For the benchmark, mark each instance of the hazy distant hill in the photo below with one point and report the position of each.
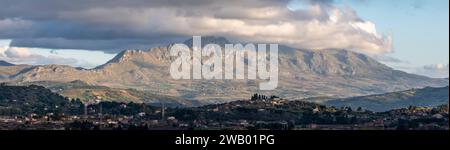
(4, 63)
(303, 73)
(8, 70)
(429, 97)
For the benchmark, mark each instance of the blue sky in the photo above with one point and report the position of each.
(419, 29)
(81, 58)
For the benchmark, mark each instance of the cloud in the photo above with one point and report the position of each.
(14, 27)
(2, 51)
(434, 70)
(390, 60)
(112, 25)
(18, 55)
(15, 52)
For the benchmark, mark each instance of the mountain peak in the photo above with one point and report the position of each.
(156, 55)
(125, 55)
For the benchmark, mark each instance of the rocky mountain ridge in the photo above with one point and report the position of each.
(302, 74)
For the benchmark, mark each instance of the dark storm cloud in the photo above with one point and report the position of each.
(112, 25)
(111, 46)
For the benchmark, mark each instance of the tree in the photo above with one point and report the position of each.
(359, 109)
(254, 97)
(349, 109)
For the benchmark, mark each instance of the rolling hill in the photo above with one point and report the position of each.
(427, 97)
(90, 93)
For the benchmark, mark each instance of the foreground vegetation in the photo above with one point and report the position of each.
(35, 107)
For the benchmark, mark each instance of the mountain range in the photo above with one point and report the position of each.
(426, 97)
(302, 74)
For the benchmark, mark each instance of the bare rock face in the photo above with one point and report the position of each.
(302, 74)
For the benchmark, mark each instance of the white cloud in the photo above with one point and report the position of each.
(17, 52)
(434, 70)
(319, 27)
(19, 55)
(4, 45)
(38, 56)
(436, 67)
(2, 51)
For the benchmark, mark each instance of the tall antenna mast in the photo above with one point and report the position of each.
(101, 115)
(163, 111)
(85, 111)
